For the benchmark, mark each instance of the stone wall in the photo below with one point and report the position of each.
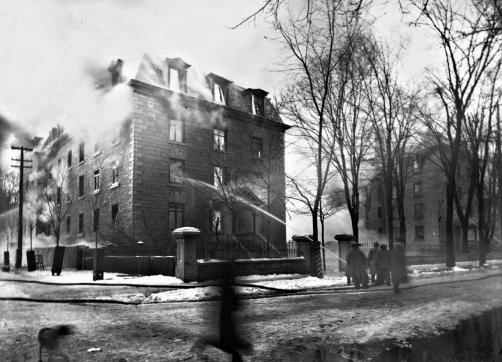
(208, 270)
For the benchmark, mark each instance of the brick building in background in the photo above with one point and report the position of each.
(424, 205)
(196, 151)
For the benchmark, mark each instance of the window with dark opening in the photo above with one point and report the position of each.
(419, 232)
(115, 212)
(69, 158)
(80, 223)
(81, 152)
(81, 185)
(175, 215)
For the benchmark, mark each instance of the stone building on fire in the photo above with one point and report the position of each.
(195, 151)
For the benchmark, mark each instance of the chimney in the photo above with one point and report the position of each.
(115, 70)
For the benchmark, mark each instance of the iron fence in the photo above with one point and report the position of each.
(236, 250)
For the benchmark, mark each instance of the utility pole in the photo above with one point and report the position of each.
(21, 166)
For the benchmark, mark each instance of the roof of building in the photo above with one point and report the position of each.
(153, 71)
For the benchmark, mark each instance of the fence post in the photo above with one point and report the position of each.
(311, 251)
(187, 239)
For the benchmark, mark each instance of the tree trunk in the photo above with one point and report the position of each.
(402, 225)
(499, 167)
(450, 247)
(481, 224)
(390, 212)
(464, 226)
(323, 246)
(354, 221)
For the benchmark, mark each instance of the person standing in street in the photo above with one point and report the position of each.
(357, 264)
(398, 265)
(371, 262)
(382, 263)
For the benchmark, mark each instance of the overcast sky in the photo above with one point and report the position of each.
(51, 49)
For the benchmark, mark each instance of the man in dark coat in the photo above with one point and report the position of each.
(398, 265)
(371, 262)
(357, 264)
(382, 264)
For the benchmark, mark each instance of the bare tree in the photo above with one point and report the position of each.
(350, 124)
(55, 197)
(8, 190)
(480, 132)
(393, 113)
(312, 38)
(468, 50)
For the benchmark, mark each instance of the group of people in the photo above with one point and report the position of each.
(385, 266)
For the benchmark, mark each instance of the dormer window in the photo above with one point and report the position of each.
(219, 96)
(174, 79)
(219, 88)
(257, 101)
(177, 74)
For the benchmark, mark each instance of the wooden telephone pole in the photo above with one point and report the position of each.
(21, 166)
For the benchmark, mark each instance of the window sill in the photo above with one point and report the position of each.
(81, 162)
(97, 153)
(115, 143)
(181, 143)
(114, 185)
(81, 197)
(95, 192)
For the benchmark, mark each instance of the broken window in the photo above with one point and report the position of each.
(257, 105)
(175, 215)
(81, 154)
(174, 80)
(218, 93)
(97, 180)
(176, 130)
(218, 176)
(115, 174)
(219, 137)
(176, 170)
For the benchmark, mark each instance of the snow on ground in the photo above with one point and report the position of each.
(209, 289)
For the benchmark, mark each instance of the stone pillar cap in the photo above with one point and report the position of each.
(186, 230)
(303, 237)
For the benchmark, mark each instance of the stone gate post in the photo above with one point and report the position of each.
(187, 239)
(311, 250)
